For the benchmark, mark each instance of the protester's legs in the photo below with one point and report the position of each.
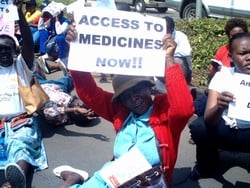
(36, 38)
(25, 148)
(63, 46)
(232, 139)
(207, 156)
(28, 171)
(209, 139)
(35, 35)
(43, 37)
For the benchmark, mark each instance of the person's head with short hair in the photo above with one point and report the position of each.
(235, 25)
(8, 48)
(30, 6)
(239, 52)
(47, 15)
(134, 92)
(170, 24)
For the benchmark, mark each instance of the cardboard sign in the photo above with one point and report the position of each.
(54, 8)
(117, 42)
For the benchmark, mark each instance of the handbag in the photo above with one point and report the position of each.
(33, 96)
(152, 178)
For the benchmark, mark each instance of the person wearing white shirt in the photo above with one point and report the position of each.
(219, 129)
(182, 53)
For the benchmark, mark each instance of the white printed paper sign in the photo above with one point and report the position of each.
(54, 8)
(117, 42)
(241, 90)
(125, 168)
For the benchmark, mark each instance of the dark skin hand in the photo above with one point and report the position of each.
(28, 44)
(224, 99)
(216, 104)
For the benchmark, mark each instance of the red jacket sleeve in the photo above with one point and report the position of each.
(179, 98)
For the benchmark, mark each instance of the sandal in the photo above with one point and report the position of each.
(58, 170)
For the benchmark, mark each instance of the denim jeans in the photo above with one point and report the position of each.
(35, 35)
(44, 35)
(63, 46)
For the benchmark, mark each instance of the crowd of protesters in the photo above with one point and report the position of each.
(142, 118)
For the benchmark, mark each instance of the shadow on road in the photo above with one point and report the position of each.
(50, 130)
(231, 162)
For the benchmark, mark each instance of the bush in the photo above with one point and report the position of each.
(206, 36)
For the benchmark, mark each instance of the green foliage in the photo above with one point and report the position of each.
(206, 36)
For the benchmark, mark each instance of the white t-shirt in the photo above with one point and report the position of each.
(183, 47)
(222, 81)
(10, 101)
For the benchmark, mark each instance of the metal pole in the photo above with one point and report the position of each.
(198, 12)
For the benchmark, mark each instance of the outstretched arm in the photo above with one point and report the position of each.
(179, 99)
(28, 44)
(169, 45)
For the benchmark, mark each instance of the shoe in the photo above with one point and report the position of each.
(103, 80)
(196, 174)
(62, 67)
(43, 64)
(15, 175)
(58, 170)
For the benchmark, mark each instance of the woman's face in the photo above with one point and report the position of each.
(47, 15)
(240, 54)
(6, 52)
(137, 99)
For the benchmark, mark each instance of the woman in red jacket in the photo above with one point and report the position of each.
(140, 120)
(232, 27)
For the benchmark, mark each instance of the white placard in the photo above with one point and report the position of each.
(54, 8)
(126, 167)
(240, 87)
(8, 11)
(117, 42)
